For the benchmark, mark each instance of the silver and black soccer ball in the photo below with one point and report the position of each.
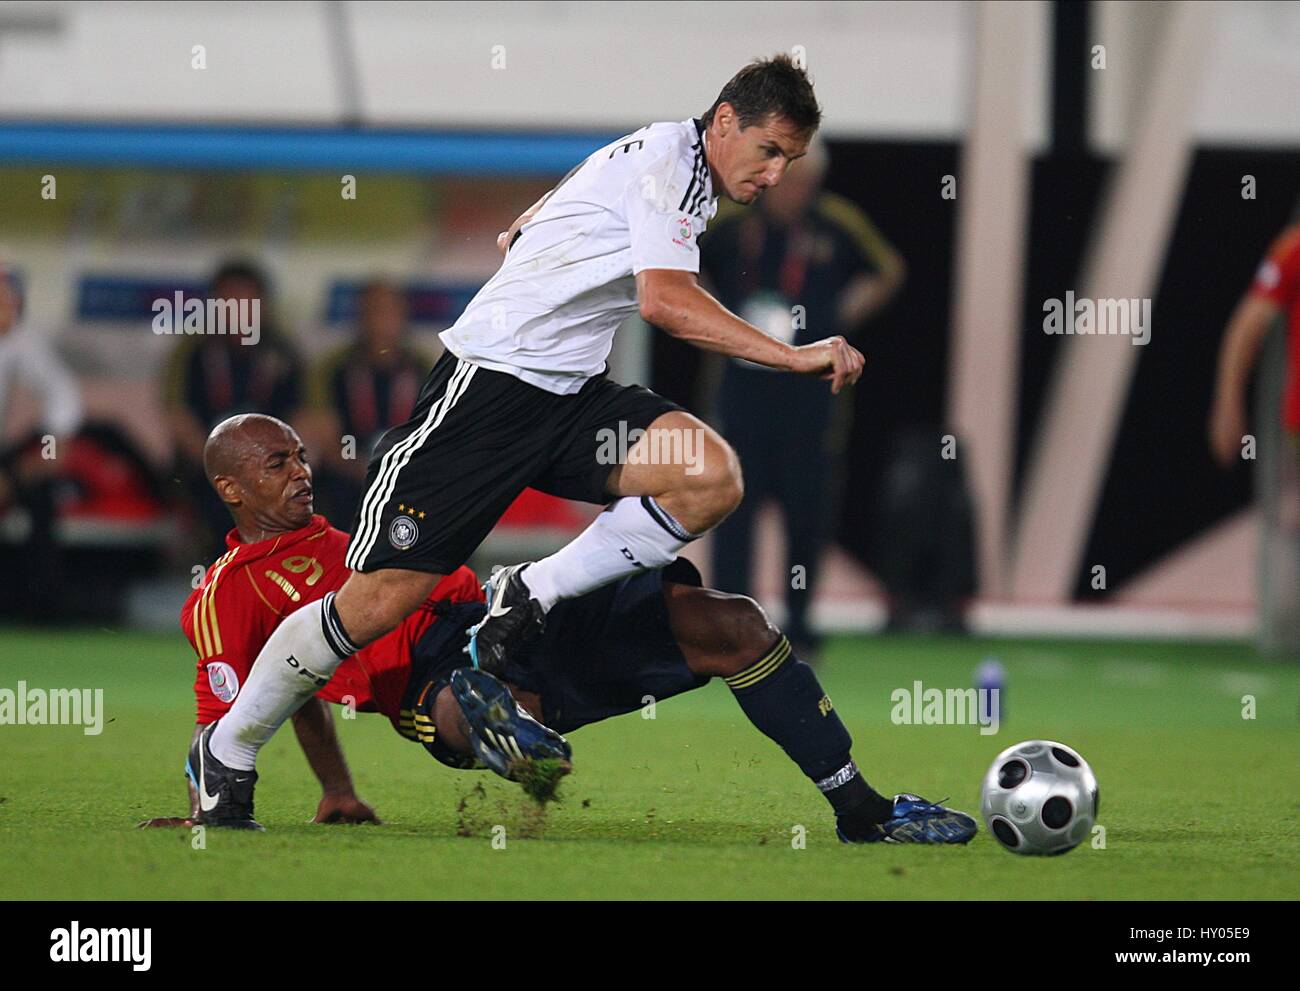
(1039, 798)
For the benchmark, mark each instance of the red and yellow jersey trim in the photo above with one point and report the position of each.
(207, 626)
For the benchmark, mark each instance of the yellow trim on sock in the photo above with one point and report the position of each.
(761, 668)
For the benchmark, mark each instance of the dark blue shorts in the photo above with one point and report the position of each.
(602, 655)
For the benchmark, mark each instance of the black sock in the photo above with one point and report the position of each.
(782, 697)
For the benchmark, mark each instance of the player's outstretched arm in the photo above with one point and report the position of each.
(192, 794)
(675, 302)
(314, 726)
(1246, 331)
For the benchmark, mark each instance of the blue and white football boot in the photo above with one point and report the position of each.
(513, 617)
(914, 820)
(502, 732)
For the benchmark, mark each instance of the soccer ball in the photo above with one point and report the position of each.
(1039, 798)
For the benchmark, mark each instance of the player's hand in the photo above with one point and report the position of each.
(507, 236)
(344, 809)
(166, 822)
(833, 359)
(1227, 427)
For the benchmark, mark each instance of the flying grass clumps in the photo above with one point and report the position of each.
(540, 779)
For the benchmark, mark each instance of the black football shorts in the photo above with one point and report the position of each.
(438, 483)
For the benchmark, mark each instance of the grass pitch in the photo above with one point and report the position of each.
(1196, 801)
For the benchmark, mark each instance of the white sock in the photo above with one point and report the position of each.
(634, 533)
(294, 664)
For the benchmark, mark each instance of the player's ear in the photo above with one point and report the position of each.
(229, 491)
(725, 116)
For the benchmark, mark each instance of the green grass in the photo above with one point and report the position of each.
(1197, 802)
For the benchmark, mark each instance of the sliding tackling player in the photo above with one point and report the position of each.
(656, 633)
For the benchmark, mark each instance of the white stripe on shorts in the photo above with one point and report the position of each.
(381, 490)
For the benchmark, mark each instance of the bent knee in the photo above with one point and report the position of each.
(748, 633)
(721, 633)
(731, 483)
(720, 481)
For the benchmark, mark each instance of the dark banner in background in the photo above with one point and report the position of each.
(1161, 487)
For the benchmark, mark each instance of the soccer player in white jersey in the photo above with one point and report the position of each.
(520, 398)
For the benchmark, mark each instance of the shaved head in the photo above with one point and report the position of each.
(258, 466)
(237, 443)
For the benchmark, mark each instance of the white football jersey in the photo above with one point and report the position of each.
(549, 314)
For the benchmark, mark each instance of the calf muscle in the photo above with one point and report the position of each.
(371, 604)
(719, 634)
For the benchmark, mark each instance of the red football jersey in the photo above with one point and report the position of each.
(249, 590)
(1278, 280)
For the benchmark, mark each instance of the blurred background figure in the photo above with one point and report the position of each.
(212, 376)
(357, 392)
(926, 558)
(804, 265)
(29, 462)
(1275, 289)
(1240, 436)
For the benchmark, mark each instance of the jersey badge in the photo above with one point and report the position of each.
(403, 533)
(223, 680)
